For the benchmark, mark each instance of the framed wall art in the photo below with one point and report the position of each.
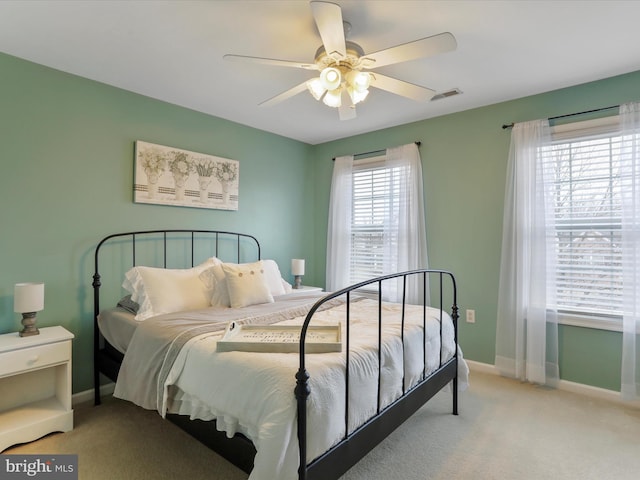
(172, 176)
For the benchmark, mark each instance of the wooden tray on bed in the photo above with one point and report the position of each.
(280, 338)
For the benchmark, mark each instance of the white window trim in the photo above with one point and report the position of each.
(368, 161)
(569, 131)
(586, 321)
(586, 127)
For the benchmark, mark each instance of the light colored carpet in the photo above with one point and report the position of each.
(506, 430)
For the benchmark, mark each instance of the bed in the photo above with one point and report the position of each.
(265, 411)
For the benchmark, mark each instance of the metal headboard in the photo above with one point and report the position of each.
(211, 239)
(216, 237)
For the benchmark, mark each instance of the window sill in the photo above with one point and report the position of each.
(585, 321)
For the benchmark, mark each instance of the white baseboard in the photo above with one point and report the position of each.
(573, 387)
(481, 367)
(87, 395)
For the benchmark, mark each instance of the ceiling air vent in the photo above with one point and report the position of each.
(450, 93)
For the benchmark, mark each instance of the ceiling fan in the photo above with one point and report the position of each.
(343, 81)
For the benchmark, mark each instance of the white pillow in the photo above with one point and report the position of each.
(164, 290)
(247, 284)
(214, 278)
(216, 282)
(274, 278)
(286, 286)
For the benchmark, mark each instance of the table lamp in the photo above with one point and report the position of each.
(28, 298)
(297, 270)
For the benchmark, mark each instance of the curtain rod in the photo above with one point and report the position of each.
(418, 143)
(510, 125)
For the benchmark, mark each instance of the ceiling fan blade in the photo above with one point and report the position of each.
(328, 18)
(425, 47)
(270, 61)
(400, 87)
(285, 95)
(347, 110)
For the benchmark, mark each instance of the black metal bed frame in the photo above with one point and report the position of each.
(354, 445)
(107, 359)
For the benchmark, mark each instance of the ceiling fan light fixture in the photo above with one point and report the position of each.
(316, 88)
(357, 95)
(333, 98)
(331, 78)
(340, 63)
(359, 81)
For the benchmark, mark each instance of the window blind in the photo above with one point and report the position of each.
(374, 229)
(586, 223)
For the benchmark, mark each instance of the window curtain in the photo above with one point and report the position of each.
(407, 220)
(527, 329)
(339, 226)
(630, 151)
(409, 223)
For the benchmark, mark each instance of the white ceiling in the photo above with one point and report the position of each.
(172, 51)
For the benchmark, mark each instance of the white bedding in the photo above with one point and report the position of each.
(117, 326)
(252, 393)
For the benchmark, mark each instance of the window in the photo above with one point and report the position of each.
(374, 220)
(571, 242)
(587, 219)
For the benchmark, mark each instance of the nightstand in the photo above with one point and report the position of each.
(306, 289)
(35, 381)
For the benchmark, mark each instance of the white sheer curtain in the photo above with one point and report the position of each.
(411, 248)
(630, 125)
(339, 225)
(527, 329)
(405, 221)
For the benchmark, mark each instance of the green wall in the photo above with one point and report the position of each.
(66, 181)
(66, 176)
(464, 159)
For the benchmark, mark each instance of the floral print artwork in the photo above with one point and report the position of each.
(171, 176)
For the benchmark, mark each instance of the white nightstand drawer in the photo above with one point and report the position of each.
(34, 357)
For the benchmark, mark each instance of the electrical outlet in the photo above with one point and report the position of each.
(471, 316)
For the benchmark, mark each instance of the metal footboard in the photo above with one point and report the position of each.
(358, 443)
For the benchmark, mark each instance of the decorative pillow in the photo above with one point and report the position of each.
(215, 279)
(247, 284)
(164, 290)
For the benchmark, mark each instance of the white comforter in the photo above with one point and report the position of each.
(252, 393)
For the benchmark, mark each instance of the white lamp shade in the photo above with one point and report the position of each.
(330, 78)
(358, 80)
(357, 96)
(297, 266)
(316, 88)
(333, 98)
(28, 297)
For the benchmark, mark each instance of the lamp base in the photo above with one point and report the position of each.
(297, 281)
(29, 324)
